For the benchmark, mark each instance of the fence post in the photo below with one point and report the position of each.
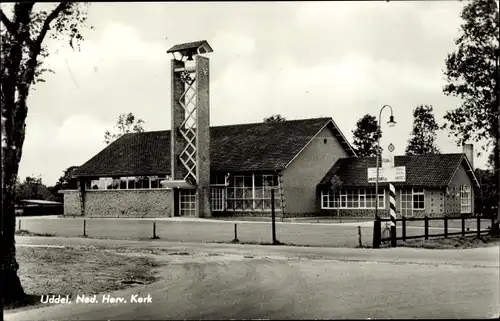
(359, 237)
(445, 227)
(84, 228)
(235, 233)
(393, 236)
(478, 226)
(404, 228)
(19, 228)
(154, 231)
(426, 228)
(376, 233)
(273, 216)
(463, 226)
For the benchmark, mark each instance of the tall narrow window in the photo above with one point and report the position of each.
(418, 199)
(343, 199)
(406, 202)
(217, 198)
(325, 199)
(362, 198)
(465, 199)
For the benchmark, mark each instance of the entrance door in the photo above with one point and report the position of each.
(187, 202)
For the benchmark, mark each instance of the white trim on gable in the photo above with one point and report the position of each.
(468, 169)
(343, 137)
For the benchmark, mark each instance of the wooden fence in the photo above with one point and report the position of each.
(445, 230)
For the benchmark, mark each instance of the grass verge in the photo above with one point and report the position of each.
(28, 233)
(78, 270)
(451, 243)
(258, 243)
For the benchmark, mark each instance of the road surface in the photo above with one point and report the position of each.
(223, 281)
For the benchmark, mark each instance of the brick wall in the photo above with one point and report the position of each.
(120, 203)
(71, 203)
(265, 214)
(203, 137)
(354, 212)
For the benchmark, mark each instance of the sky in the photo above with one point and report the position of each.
(298, 59)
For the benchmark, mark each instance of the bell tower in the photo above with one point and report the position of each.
(190, 129)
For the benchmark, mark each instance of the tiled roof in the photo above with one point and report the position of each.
(188, 45)
(421, 170)
(245, 147)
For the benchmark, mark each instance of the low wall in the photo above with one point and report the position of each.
(354, 212)
(265, 214)
(71, 203)
(120, 203)
(381, 213)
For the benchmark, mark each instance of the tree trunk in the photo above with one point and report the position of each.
(9, 265)
(11, 285)
(13, 131)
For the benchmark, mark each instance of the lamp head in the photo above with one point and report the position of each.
(391, 122)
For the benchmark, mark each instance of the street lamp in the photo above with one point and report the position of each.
(391, 123)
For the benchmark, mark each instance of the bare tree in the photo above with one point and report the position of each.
(126, 123)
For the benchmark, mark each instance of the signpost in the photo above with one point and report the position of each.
(390, 174)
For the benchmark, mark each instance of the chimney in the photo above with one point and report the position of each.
(468, 150)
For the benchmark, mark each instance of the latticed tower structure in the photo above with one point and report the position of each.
(190, 129)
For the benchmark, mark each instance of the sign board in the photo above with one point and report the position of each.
(387, 161)
(388, 156)
(392, 174)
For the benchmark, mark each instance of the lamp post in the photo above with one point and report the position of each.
(391, 123)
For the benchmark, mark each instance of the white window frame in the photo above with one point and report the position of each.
(409, 212)
(217, 201)
(187, 202)
(105, 181)
(415, 193)
(361, 195)
(465, 207)
(254, 200)
(405, 211)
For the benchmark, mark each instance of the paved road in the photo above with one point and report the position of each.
(246, 281)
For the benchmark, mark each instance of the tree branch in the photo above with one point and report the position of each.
(8, 24)
(46, 25)
(36, 46)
